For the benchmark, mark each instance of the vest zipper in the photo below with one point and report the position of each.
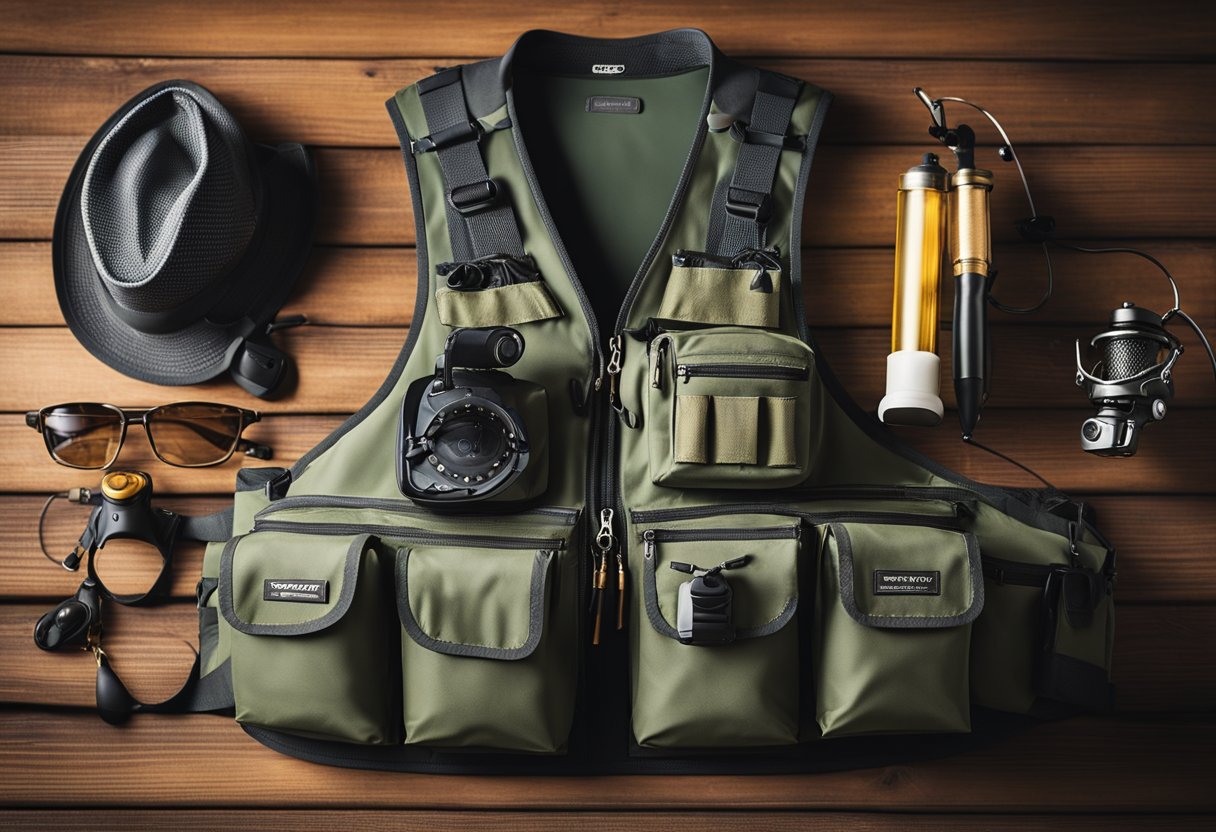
(413, 535)
(958, 511)
(651, 537)
(1012, 573)
(685, 372)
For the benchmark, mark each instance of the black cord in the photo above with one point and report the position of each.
(971, 441)
(1203, 338)
(1042, 301)
(1127, 250)
(42, 524)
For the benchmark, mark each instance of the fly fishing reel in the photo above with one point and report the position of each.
(1131, 384)
(463, 436)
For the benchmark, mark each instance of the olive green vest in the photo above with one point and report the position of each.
(679, 419)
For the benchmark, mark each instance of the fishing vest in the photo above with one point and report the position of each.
(712, 560)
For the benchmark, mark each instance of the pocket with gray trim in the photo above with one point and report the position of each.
(892, 630)
(729, 407)
(307, 618)
(715, 669)
(488, 645)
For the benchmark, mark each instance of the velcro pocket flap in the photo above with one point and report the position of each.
(908, 577)
(764, 592)
(289, 584)
(478, 603)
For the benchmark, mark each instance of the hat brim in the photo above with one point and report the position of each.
(204, 349)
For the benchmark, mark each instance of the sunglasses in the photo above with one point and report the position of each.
(186, 434)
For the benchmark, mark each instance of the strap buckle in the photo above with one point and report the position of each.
(474, 197)
(743, 133)
(749, 205)
(456, 134)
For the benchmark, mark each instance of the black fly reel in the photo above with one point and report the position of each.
(463, 434)
(1131, 384)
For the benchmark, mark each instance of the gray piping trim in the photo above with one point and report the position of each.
(844, 550)
(350, 575)
(541, 565)
(662, 627)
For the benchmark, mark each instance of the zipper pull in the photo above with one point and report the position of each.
(616, 351)
(656, 374)
(648, 544)
(683, 373)
(604, 543)
(620, 590)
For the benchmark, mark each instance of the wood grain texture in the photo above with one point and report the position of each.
(1173, 460)
(1119, 30)
(314, 820)
(322, 820)
(361, 286)
(340, 103)
(1083, 765)
(1129, 191)
(1164, 657)
(1164, 546)
(341, 367)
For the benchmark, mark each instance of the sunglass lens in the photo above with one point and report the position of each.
(194, 434)
(83, 435)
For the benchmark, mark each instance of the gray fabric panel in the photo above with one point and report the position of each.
(844, 548)
(536, 615)
(350, 576)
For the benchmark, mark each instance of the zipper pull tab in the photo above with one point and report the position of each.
(656, 373)
(620, 591)
(616, 352)
(604, 543)
(683, 373)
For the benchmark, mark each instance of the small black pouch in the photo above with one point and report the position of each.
(1076, 625)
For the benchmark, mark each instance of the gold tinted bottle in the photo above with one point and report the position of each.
(913, 393)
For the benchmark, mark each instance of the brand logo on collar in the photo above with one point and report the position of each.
(607, 69)
(905, 582)
(301, 590)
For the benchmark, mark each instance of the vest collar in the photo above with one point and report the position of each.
(665, 53)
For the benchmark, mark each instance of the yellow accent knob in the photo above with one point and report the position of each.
(122, 485)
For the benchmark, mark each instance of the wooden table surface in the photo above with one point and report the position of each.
(1108, 104)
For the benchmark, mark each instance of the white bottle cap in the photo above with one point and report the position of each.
(912, 389)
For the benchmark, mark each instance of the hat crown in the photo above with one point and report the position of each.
(168, 202)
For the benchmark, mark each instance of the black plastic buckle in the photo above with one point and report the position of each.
(749, 205)
(744, 134)
(474, 197)
(456, 134)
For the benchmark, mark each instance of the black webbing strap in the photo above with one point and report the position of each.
(742, 209)
(481, 220)
(199, 694)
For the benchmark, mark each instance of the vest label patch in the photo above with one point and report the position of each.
(907, 582)
(614, 104)
(607, 69)
(300, 590)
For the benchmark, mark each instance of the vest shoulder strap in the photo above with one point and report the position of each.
(481, 221)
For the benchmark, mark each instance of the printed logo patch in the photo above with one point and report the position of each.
(614, 104)
(607, 69)
(905, 582)
(295, 589)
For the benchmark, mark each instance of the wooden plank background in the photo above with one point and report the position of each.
(1107, 103)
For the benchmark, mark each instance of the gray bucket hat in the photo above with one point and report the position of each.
(177, 240)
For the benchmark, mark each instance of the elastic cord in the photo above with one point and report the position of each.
(42, 525)
(971, 441)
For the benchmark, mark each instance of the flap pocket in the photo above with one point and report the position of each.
(908, 576)
(286, 584)
(741, 291)
(308, 616)
(764, 589)
(479, 603)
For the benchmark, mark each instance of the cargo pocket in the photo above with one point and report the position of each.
(724, 291)
(893, 629)
(489, 644)
(730, 689)
(311, 654)
(1052, 626)
(729, 408)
